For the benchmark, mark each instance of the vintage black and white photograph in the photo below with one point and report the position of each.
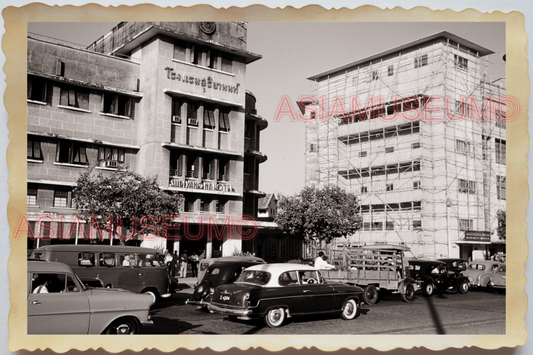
(199, 178)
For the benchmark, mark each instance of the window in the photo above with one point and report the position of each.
(73, 96)
(223, 120)
(193, 166)
(312, 148)
(417, 225)
(462, 146)
(362, 154)
(415, 145)
(501, 117)
(467, 186)
(364, 189)
(390, 70)
(288, 278)
(375, 75)
(366, 226)
(389, 225)
(37, 88)
(32, 194)
(421, 61)
(204, 205)
(500, 187)
(192, 114)
(220, 206)
(176, 111)
(86, 259)
(389, 149)
(227, 62)
(116, 104)
(34, 149)
(71, 153)
(61, 196)
(209, 117)
(377, 226)
(107, 259)
(183, 51)
(110, 157)
(500, 147)
(460, 62)
(248, 130)
(462, 109)
(188, 204)
(223, 169)
(390, 187)
(466, 224)
(208, 168)
(416, 185)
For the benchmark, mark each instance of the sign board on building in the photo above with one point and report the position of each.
(477, 236)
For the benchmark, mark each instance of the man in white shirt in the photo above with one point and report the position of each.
(320, 263)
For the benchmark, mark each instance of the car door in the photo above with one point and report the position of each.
(64, 309)
(440, 276)
(317, 296)
(290, 292)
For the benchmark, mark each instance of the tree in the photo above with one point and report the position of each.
(502, 217)
(320, 214)
(124, 198)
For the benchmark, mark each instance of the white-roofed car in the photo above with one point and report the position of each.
(486, 273)
(59, 303)
(274, 292)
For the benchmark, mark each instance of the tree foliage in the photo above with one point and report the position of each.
(123, 198)
(319, 213)
(502, 217)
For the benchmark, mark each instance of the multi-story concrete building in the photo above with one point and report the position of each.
(417, 132)
(164, 99)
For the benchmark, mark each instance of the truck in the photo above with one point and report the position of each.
(377, 268)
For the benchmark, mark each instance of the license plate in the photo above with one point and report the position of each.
(224, 298)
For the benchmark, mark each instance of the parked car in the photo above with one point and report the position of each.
(274, 292)
(204, 263)
(433, 275)
(136, 269)
(218, 273)
(456, 265)
(59, 303)
(486, 273)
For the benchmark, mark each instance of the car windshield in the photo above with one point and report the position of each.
(254, 277)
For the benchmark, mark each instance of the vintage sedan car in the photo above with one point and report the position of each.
(219, 273)
(486, 273)
(59, 303)
(456, 265)
(274, 292)
(433, 275)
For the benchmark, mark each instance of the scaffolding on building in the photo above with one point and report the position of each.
(442, 161)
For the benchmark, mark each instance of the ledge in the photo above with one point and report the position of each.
(74, 109)
(202, 67)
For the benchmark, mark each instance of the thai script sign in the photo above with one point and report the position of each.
(477, 236)
(201, 185)
(203, 82)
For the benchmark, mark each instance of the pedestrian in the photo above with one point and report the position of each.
(320, 263)
(194, 264)
(174, 264)
(183, 266)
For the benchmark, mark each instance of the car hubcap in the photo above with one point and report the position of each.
(349, 309)
(123, 329)
(275, 316)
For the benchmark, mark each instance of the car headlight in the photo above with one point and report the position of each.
(211, 290)
(246, 299)
(200, 289)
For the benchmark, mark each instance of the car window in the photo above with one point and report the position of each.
(48, 283)
(308, 277)
(254, 277)
(213, 271)
(502, 268)
(128, 260)
(107, 259)
(288, 278)
(86, 259)
(149, 260)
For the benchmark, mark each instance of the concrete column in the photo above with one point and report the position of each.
(209, 249)
(176, 247)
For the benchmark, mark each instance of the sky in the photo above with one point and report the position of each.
(294, 51)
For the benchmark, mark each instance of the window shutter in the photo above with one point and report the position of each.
(114, 105)
(211, 118)
(30, 81)
(226, 120)
(60, 68)
(206, 117)
(71, 98)
(101, 155)
(180, 165)
(221, 122)
(83, 155)
(102, 101)
(196, 167)
(83, 100)
(212, 167)
(226, 171)
(121, 156)
(129, 103)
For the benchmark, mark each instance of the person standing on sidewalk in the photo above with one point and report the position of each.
(183, 266)
(174, 263)
(194, 264)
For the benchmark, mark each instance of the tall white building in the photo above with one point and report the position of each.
(419, 134)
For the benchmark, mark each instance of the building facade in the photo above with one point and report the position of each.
(418, 133)
(163, 99)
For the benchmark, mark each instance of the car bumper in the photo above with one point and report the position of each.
(196, 303)
(147, 323)
(239, 312)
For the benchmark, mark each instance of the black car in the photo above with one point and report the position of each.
(218, 273)
(431, 275)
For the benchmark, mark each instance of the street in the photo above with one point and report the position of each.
(477, 312)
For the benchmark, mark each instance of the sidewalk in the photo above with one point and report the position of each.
(186, 284)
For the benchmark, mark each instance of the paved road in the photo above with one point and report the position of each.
(477, 312)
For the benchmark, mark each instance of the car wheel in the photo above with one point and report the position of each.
(409, 295)
(275, 317)
(123, 326)
(463, 287)
(370, 295)
(349, 310)
(153, 294)
(429, 289)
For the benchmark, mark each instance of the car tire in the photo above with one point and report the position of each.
(463, 287)
(409, 295)
(275, 317)
(123, 326)
(370, 295)
(429, 289)
(349, 310)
